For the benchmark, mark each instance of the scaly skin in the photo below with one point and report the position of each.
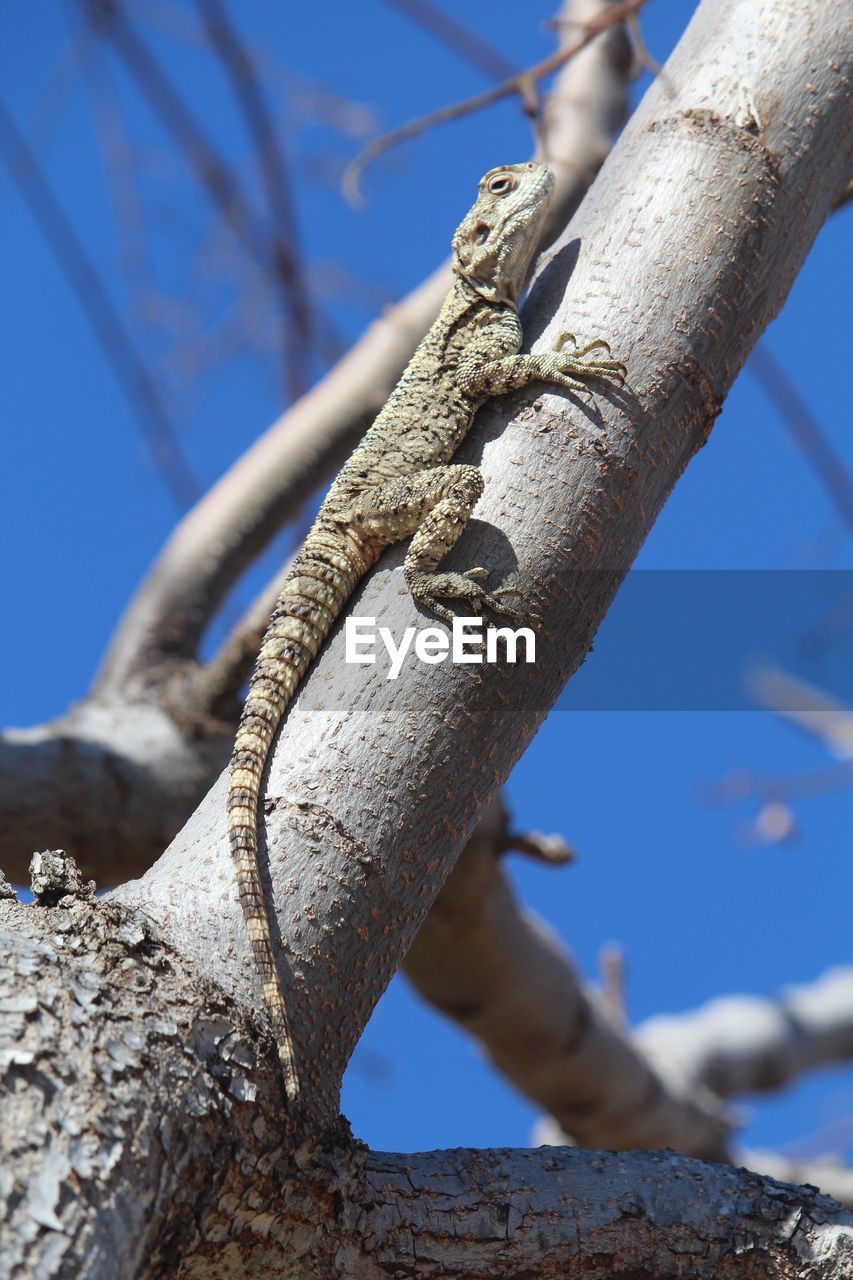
(399, 482)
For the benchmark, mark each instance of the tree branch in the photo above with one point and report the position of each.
(375, 785)
(113, 337)
(285, 252)
(150, 676)
(501, 974)
(147, 1138)
(268, 485)
(746, 1044)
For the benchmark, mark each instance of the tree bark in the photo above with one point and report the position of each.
(147, 1139)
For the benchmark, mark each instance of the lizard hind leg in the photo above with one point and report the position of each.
(434, 505)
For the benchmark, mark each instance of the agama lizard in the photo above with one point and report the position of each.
(400, 482)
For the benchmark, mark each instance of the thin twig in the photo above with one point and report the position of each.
(611, 964)
(238, 66)
(214, 175)
(104, 318)
(456, 36)
(108, 121)
(60, 87)
(827, 464)
(520, 83)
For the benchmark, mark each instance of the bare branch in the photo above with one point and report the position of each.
(285, 249)
(502, 975)
(592, 1214)
(520, 84)
(113, 337)
(828, 465)
(268, 485)
(213, 173)
(747, 1044)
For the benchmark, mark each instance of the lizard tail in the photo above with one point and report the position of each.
(312, 598)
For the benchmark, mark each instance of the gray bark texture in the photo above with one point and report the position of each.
(143, 1119)
(144, 1137)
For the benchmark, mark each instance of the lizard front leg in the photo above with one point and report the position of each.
(566, 368)
(434, 505)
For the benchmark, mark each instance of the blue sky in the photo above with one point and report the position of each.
(698, 911)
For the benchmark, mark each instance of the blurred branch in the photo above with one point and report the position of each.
(500, 973)
(118, 165)
(808, 708)
(611, 963)
(239, 69)
(827, 464)
(452, 33)
(212, 172)
(750, 1044)
(814, 712)
(106, 322)
(58, 91)
(216, 686)
(522, 83)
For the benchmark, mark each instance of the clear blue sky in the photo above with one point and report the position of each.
(84, 512)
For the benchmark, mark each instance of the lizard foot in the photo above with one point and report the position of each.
(430, 589)
(572, 365)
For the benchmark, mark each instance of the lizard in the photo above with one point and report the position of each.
(400, 482)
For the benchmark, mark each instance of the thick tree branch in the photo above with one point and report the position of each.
(746, 1044)
(375, 785)
(147, 1139)
(594, 1215)
(499, 972)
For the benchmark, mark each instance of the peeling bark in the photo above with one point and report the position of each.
(143, 1136)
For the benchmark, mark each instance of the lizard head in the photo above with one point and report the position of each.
(497, 241)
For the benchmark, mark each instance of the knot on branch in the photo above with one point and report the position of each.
(54, 876)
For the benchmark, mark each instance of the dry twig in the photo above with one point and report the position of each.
(522, 83)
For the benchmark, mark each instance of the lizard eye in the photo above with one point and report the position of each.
(499, 184)
(481, 233)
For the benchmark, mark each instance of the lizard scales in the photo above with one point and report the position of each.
(399, 482)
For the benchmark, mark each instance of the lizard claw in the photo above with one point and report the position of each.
(432, 589)
(572, 364)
